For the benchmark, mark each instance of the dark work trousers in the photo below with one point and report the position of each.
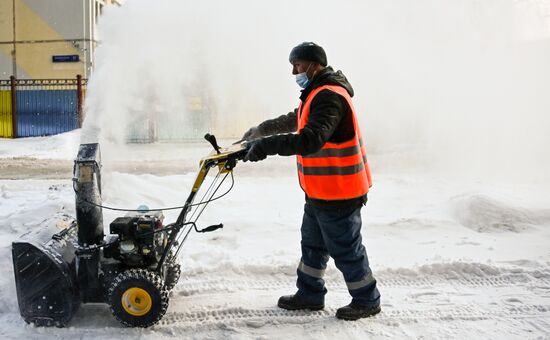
(336, 234)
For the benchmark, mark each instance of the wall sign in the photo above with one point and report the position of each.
(65, 58)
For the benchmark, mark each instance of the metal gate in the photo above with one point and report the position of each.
(40, 107)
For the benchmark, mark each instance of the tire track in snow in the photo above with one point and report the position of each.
(204, 285)
(223, 317)
(212, 311)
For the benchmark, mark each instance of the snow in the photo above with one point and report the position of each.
(62, 146)
(453, 258)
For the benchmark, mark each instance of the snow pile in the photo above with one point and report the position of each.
(61, 146)
(485, 215)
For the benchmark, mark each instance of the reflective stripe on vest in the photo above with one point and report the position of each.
(331, 170)
(336, 171)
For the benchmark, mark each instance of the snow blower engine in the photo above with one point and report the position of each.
(132, 269)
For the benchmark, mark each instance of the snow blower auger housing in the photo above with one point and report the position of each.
(132, 269)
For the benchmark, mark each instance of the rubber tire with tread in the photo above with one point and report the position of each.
(146, 280)
(173, 273)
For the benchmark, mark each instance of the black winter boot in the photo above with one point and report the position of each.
(354, 311)
(294, 302)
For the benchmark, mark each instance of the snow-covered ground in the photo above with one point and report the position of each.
(454, 258)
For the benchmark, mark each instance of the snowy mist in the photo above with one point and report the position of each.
(459, 86)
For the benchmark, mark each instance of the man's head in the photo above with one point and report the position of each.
(307, 57)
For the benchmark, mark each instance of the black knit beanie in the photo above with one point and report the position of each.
(309, 51)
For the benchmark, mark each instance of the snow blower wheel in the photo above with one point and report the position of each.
(137, 298)
(173, 274)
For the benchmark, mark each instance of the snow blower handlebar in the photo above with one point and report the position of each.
(223, 158)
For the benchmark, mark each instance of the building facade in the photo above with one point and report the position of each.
(48, 39)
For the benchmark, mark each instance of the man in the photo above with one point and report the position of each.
(334, 174)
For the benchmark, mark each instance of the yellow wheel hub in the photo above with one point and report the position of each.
(136, 301)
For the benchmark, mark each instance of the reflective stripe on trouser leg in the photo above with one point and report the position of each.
(314, 272)
(368, 280)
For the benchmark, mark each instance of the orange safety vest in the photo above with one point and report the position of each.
(337, 171)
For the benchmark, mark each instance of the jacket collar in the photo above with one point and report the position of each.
(316, 82)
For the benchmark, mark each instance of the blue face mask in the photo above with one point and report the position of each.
(301, 80)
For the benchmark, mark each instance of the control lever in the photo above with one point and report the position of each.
(211, 228)
(212, 140)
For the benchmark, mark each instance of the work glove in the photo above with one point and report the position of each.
(252, 133)
(256, 151)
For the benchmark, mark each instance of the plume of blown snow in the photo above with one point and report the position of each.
(460, 85)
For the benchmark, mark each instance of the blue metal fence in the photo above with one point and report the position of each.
(41, 107)
(46, 112)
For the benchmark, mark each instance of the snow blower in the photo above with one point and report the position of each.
(132, 269)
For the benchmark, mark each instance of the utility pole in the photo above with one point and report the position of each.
(14, 55)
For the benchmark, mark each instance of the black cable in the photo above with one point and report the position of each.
(182, 239)
(208, 201)
(160, 209)
(206, 193)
